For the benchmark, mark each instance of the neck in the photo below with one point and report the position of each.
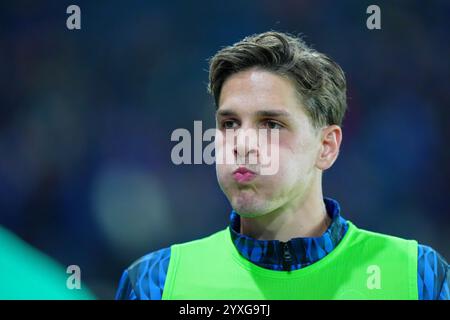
(303, 217)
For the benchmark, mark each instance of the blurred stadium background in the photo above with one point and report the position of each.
(86, 118)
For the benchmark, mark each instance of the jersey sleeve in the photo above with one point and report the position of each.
(145, 278)
(432, 275)
(125, 290)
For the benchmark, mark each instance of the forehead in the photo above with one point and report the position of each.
(254, 90)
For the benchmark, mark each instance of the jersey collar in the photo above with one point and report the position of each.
(296, 253)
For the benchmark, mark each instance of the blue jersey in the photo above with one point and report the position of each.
(145, 278)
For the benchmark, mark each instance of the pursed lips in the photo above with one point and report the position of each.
(243, 174)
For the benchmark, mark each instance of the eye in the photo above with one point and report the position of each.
(272, 125)
(228, 124)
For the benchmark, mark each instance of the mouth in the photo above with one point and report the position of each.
(242, 174)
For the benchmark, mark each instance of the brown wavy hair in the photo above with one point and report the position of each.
(319, 81)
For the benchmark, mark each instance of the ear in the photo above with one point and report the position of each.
(331, 138)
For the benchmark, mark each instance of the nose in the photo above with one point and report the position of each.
(246, 147)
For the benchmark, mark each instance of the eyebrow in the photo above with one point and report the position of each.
(261, 113)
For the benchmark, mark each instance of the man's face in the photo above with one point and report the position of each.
(257, 99)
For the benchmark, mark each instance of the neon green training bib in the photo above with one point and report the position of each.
(364, 265)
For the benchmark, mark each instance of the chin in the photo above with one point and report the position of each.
(249, 208)
(249, 214)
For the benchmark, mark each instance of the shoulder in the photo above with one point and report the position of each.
(145, 278)
(432, 274)
(384, 241)
(205, 241)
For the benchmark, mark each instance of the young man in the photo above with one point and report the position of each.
(285, 240)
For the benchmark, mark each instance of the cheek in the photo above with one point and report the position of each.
(220, 171)
(296, 159)
(288, 169)
(223, 173)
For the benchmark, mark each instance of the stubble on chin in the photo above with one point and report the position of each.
(247, 204)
